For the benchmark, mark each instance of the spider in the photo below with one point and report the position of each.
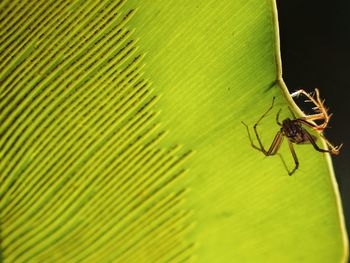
(294, 131)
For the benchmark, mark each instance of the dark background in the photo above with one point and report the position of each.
(315, 48)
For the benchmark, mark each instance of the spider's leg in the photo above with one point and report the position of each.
(274, 146)
(307, 123)
(251, 140)
(264, 115)
(318, 98)
(312, 141)
(276, 142)
(296, 161)
(278, 117)
(256, 132)
(334, 149)
(297, 93)
(320, 109)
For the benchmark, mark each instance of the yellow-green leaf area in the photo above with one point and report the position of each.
(122, 141)
(216, 64)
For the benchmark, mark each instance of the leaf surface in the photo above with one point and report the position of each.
(121, 137)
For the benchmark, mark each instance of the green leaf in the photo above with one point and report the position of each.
(121, 137)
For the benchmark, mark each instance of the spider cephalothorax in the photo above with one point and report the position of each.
(294, 131)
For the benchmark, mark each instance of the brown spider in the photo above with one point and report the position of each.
(294, 131)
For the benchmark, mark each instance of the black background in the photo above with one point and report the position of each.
(315, 48)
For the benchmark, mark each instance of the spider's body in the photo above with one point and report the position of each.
(294, 131)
